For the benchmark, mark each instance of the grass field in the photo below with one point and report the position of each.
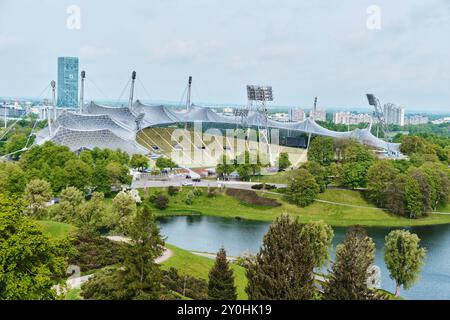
(198, 266)
(56, 229)
(335, 215)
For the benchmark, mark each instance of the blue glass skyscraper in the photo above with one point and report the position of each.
(67, 82)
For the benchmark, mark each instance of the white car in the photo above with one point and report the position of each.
(187, 184)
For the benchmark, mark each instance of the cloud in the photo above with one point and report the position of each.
(94, 52)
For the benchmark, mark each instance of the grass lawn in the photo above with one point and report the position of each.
(198, 266)
(56, 229)
(279, 177)
(335, 215)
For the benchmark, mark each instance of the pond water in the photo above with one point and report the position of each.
(208, 234)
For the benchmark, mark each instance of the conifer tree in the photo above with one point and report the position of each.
(349, 274)
(283, 268)
(221, 279)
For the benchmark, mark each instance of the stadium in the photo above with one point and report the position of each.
(149, 130)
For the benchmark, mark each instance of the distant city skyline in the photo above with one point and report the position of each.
(302, 49)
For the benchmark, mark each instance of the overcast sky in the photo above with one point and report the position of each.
(302, 48)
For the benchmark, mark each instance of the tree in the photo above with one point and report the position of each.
(354, 174)
(15, 143)
(224, 167)
(283, 268)
(321, 150)
(12, 178)
(413, 197)
(319, 235)
(379, 176)
(165, 163)
(411, 144)
(30, 263)
(37, 193)
(395, 196)
(79, 174)
(161, 202)
(124, 208)
(70, 200)
(138, 277)
(349, 273)
(139, 161)
(172, 190)
(319, 172)
(283, 160)
(404, 258)
(221, 279)
(190, 196)
(91, 213)
(302, 188)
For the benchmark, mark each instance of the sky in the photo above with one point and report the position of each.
(302, 48)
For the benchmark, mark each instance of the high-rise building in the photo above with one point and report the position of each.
(67, 82)
(416, 119)
(394, 115)
(348, 118)
(318, 115)
(297, 114)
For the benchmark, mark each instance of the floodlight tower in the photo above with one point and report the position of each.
(312, 115)
(83, 76)
(373, 101)
(260, 95)
(133, 79)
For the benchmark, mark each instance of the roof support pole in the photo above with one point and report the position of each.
(133, 79)
(53, 85)
(83, 76)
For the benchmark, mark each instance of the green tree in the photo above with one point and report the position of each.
(404, 258)
(124, 209)
(225, 167)
(379, 176)
(138, 277)
(354, 174)
(12, 178)
(283, 268)
(161, 202)
(190, 196)
(30, 263)
(221, 279)
(321, 150)
(349, 273)
(139, 162)
(283, 160)
(413, 197)
(15, 143)
(91, 213)
(165, 163)
(319, 235)
(319, 172)
(79, 174)
(37, 193)
(302, 188)
(70, 201)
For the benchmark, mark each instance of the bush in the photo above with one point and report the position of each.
(251, 197)
(186, 285)
(190, 196)
(95, 252)
(198, 192)
(263, 186)
(153, 196)
(161, 202)
(212, 192)
(172, 190)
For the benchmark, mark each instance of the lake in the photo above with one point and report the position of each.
(208, 234)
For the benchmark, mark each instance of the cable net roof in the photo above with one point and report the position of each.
(113, 128)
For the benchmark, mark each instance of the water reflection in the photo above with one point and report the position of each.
(208, 234)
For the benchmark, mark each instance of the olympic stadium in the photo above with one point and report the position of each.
(95, 125)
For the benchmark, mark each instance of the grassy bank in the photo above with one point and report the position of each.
(336, 215)
(198, 266)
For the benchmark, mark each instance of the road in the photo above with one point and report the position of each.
(179, 181)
